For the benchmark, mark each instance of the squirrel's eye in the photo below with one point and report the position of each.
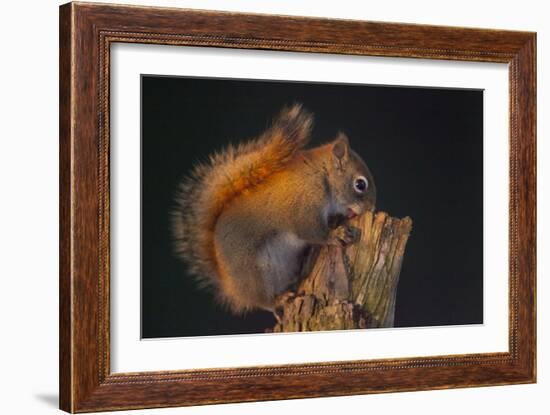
(360, 184)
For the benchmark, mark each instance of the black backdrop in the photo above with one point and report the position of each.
(423, 145)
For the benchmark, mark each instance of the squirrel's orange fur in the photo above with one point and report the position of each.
(241, 252)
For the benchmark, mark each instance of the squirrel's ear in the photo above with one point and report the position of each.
(340, 148)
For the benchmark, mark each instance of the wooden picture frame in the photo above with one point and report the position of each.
(86, 33)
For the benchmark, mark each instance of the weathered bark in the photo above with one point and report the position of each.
(350, 287)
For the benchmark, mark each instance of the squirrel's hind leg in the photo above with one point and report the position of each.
(242, 287)
(256, 268)
(241, 284)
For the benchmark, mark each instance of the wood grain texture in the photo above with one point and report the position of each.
(352, 286)
(86, 33)
(65, 136)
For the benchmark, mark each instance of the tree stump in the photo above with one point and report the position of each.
(351, 287)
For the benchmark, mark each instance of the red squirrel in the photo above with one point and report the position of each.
(245, 219)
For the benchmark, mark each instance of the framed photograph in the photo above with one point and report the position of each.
(258, 207)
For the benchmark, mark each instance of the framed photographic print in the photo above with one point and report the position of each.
(259, 207)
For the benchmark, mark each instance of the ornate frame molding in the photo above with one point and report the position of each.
(86, 33)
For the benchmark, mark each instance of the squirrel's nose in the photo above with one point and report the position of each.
(351, 213)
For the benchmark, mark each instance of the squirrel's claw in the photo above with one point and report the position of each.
(347, 235)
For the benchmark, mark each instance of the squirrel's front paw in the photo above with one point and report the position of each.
(347, 235)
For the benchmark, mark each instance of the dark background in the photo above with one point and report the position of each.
(424, 147)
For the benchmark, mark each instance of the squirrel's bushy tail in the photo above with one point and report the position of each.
(202, 195)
